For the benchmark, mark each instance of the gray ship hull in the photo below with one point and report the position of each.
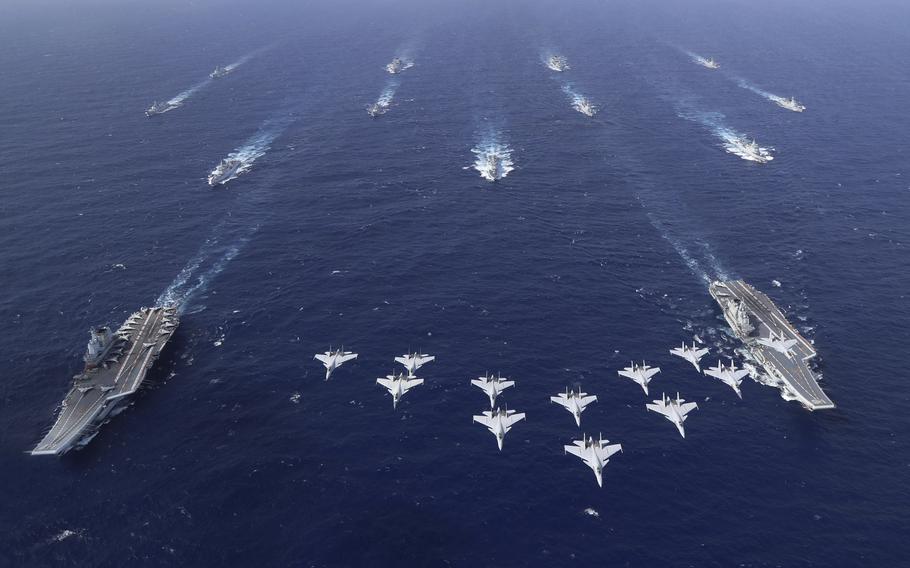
(752, 315)
(103, 390)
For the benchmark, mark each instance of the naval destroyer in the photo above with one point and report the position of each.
(773, 342)
(115, 366)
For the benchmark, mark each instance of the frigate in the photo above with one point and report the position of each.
(557, 63)
(772, 341)
(790, 104)
(160, 108)
(116, 364)
(226, 170)
(220, 72)
(709, 63)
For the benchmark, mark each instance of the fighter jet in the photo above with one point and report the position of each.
(673, 410)
(334, 359)
(398, 385)
(574, 402)
(778, 344)
(413, 361)
(595, 453)
(499, 422)
(641, 374)
(729, 375)
(492, 386)
(690, 354)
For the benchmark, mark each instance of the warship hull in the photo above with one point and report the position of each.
(106, 385)
(753, 316)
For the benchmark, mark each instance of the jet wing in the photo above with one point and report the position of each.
(651, 372)
(742, 373)
(509, 421)
(660, 409)
(479, 383)
(687, 407)
(713, 373)
(575, 450)
(699, 353)
(627, 374)
(608, 451)
(424, 360)
(503, 385)
(346, 358)
(403, 360)
(387, 383)
(485, 420)
(322, 358)
(585, 401)
(560, 400)
(410, 383)
(678, 352)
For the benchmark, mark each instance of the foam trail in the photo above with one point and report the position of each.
(184, 95)
(750, 87)
(579, 102)
(232, 66)
(382, 104)
(212, 258)
(694, 251)
(734, 142)
(388, 93)
(789, 104)
(680, 249)
(255, 147)
(179, 99)
(493, 157)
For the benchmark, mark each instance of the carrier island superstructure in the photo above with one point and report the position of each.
(783, 354)
(116, 364)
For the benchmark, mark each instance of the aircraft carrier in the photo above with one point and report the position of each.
(115, 367)
(753, 316)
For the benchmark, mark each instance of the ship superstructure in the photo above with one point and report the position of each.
(399, 64)
(557, 63)
(378, 108)
(160, 108)
(709, 63)
(116, 364)
(783, 354)
(226, 170)
(220, 72)
(749, 150)
(790, 104)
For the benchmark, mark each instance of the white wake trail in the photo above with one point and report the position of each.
(385, 99)
(696, 253)
(382, 104)
(183, 96)
(212, 258)
(579, 102)
(179, 99)
(788, 103)
(254, 148)
(734, 142)
(761, 92)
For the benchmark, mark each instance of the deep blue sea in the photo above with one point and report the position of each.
(377, 234)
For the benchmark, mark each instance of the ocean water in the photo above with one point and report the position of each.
(378, 234)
